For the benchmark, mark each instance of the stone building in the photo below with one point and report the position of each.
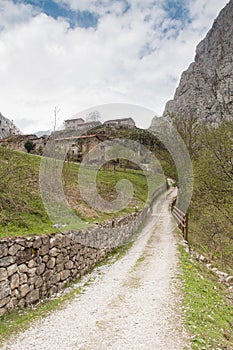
(125, 122)
(80, 147)
(74, 123)
(80, 124)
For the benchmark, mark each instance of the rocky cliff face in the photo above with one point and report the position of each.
(206, 87)
(7, 127)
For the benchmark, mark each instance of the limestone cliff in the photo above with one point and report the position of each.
(7, 127)
(206, 87)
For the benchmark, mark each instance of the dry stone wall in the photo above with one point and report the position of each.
(35, 267)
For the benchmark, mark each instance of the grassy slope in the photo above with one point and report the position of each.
(22, 211)
(207, 306)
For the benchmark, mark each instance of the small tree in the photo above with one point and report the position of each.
(30, 146)
(93, 116)
(56, 111)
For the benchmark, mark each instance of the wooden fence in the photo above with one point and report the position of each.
(182, 220)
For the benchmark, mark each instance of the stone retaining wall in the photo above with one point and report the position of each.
(34, 267)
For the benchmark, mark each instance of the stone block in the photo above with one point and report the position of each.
(23, 278)
(44, 249)
(37, 243)
(47, 275)
(64, 251)
(4, 289)
(32, 280)
(24, 255)
(16, 294)
(55, 242)
(12, 269)
(45, 240)
(45, 258)
(32, 297)
(6, 261)
(3, 250)
(39, 282)
(14, 249)
(59, 267)
(11, 304)
(65, 241)
(69, 264)
(31, 272)
(59, 258)
(55, 278)
(22, 268)
(14, 281)
(40, 269)
(54, 251)
(21, 303)
(65, 274)
(51, 263)
(32, 263)
(53, 290)
(24, 289)
(4, 301)
(3, 274)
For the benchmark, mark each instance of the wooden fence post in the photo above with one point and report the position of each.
(182, 221)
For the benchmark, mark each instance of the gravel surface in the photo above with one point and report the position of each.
(133, 304)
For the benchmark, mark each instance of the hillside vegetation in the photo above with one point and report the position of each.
(212, 204)
(211, 209)
(144, 137)
(21, 208)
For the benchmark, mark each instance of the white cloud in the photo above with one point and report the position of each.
(46, 63)
(13, 14)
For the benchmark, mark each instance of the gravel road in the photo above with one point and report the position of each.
(134, 303)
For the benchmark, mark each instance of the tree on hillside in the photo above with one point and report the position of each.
(93, 116)
(212, 203)
(30, 146)
(56, 111)
(189, 129)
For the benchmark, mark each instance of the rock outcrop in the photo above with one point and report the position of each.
(206, 87)
(7, 127)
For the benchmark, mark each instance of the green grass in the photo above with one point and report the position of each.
(22, 211)
(21, 208)
(208, 305)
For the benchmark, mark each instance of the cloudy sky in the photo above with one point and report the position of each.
(76, 54)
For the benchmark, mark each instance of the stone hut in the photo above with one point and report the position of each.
(74, 123)
(125, 122)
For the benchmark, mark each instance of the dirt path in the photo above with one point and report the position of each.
(133, 304)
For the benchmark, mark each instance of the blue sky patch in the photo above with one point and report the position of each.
(177, 10)
(84, 19)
